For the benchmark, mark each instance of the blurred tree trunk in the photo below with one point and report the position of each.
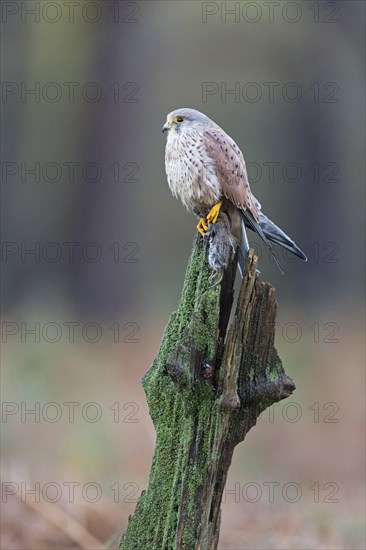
(205, 391)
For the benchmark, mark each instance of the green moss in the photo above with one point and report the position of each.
(187, 415)
(179, 414)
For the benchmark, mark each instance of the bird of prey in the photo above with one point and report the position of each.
(206, 170)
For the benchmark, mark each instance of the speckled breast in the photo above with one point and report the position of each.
(190, 171)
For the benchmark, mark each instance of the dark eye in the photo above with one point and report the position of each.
(179, 119)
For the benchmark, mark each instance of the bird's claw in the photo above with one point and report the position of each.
(211, 217)
(202, 227)
(214, 213)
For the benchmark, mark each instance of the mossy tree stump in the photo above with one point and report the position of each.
(205, 390)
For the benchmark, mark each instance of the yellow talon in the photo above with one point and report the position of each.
(202, 226)
(214, 213)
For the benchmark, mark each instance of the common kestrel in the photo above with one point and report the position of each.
(206, 170)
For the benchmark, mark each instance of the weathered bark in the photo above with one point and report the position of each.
(205, 391)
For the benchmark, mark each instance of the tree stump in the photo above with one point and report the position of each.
(205, 390)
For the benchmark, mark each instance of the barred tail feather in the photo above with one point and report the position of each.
(277, 236)
(269, 232)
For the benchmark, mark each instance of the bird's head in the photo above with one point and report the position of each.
(185, 119)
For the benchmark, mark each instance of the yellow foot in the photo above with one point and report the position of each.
(214, 213)
(202, 226)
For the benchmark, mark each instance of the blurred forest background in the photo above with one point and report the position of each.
(84, 188)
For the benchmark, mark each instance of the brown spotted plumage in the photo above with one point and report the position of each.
(231, 170)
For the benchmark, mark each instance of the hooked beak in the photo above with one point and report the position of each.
(166, 127)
